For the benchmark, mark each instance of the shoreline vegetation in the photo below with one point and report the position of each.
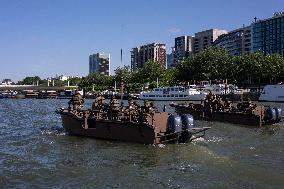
(211, 64)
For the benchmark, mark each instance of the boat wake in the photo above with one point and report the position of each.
(207, 140)
(214, 139)
(55, 130)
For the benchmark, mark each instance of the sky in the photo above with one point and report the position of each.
(48, 37)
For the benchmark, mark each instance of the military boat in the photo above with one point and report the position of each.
(133, 123)
(216, 109)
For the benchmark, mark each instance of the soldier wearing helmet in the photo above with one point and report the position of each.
(76, 101)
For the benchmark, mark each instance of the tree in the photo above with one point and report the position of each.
(96, 82)
(30, 80)
(74, 81)
(212, 63)
(274, 67)
(123, 74)
(169, 77)
(151, 71)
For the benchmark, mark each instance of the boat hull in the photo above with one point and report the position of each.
(237, 118)
(272, 93)
(20, 96)
(110, 130)
(229, 117)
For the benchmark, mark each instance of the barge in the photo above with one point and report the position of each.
(245, 113)
(132, 124)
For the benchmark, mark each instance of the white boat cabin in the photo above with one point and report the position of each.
(172, 93)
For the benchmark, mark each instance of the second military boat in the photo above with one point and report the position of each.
(216, 109)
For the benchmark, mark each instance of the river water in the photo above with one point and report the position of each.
(36, 152)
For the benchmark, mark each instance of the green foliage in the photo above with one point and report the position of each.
(75, 81)
(30, 80)
(151, 71)
(216, 63)
(134, 80)
(96, 82)
(59, 83)
(212, 63)
(123, 74)
(169, 77)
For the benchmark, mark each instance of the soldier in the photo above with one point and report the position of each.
(76, 101)
(220, 104)
(146, 106)
(246, 105)
(214, 104)
(152, 108)
(136, 105)
(130, 102)
(114, 108)
(143, 111)
(250, 106)
(98, 103)
(130, 109)
(209, 96)
(227, 104)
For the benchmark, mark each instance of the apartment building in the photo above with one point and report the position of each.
(99, 63)
(268, 35)
(183, 48)
(237, 42)
(149, 52)
(205, 39)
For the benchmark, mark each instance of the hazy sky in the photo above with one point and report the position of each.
(48, 37)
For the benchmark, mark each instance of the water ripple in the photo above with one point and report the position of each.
(36, 153)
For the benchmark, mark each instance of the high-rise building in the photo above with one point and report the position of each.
(268, 35)
(170, 61)
(205, 39)
(135, 60)
(149, 52)
(183, 47)
(237, 42)
(99, 63)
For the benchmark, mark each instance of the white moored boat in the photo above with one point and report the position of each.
(173, 94)
(272, 93)
(221, 89)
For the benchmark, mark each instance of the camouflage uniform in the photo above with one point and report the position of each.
(114, 108)
(133, 110)
(76, 101)
(98, 103)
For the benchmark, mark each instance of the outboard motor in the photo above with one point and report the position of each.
(278, 112)
(164, 109)
(174, 124)
(270, 115)
(187, 121)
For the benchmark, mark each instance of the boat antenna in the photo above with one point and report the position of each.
(121, 52)
(121, 56)
(121, 91)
